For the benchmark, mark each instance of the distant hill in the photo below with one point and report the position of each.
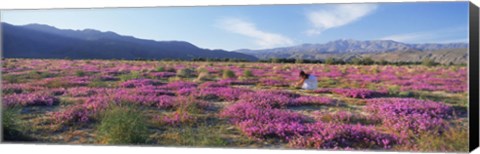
(444, 56)
(376, 49)
(43, 41)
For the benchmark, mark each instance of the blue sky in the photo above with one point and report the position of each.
(267, 26)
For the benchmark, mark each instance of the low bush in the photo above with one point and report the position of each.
(80, 73)
(11, 127)
(454, 139)
(160, 69)
(247, 73)
(130, 76)
(122, 125)
(185, 73)
(228, 74)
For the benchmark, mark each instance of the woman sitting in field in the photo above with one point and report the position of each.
(308, 81)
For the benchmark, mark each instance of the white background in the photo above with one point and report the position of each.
(84, 149)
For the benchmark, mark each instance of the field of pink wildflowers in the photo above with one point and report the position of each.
(203, 104)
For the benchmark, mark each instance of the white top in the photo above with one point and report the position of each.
(310, 83)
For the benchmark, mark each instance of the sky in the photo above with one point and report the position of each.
(266, 26)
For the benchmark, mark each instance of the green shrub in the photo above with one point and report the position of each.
(327, 83)
(367, 61)
(189, 105)
(130, 76)
(9, 119)
(19, 78)
(228, 74)
(394, 90)
(356, 61)
(12, 130)
(99, 83)
(406, 94)
(247, 73)
(362, 61)
(274, 60)
(299, 60)
(58, 83)
(39, 75)
(80, 73)
(186, 73)
(160, 69)
(330, 61)
(429, 62)
(122, 125)
(11, 78)
(454, 139)
(12, 91)
(370, 86)
(382, 62)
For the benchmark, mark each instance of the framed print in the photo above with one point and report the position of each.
(399, 76)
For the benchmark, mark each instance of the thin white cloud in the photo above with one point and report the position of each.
(261, 38)
(337, 16)
(438, 36)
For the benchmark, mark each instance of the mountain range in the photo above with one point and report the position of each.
(43, 41)
(388, 50)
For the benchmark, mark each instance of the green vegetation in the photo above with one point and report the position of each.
(247, 73)
(208, 132)
(452, 140)
(190, 106)
(330, 61)
(39, 75)
(299, 60)
(58, 83)
(275, 60)
(394, 90)
(186, 73)
(11, 78)
(130, 76)
(80, 73)
(195, 136)
(160, 69)
(406, 94)
(327, 83)
(429, 62)
(228, 74)
(122, 125)
(32, 75)
(355, 61)
(12, 130)
(362, 61)
(218, 59)
(99, 83)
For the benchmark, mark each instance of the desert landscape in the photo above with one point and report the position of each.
(235, 104)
